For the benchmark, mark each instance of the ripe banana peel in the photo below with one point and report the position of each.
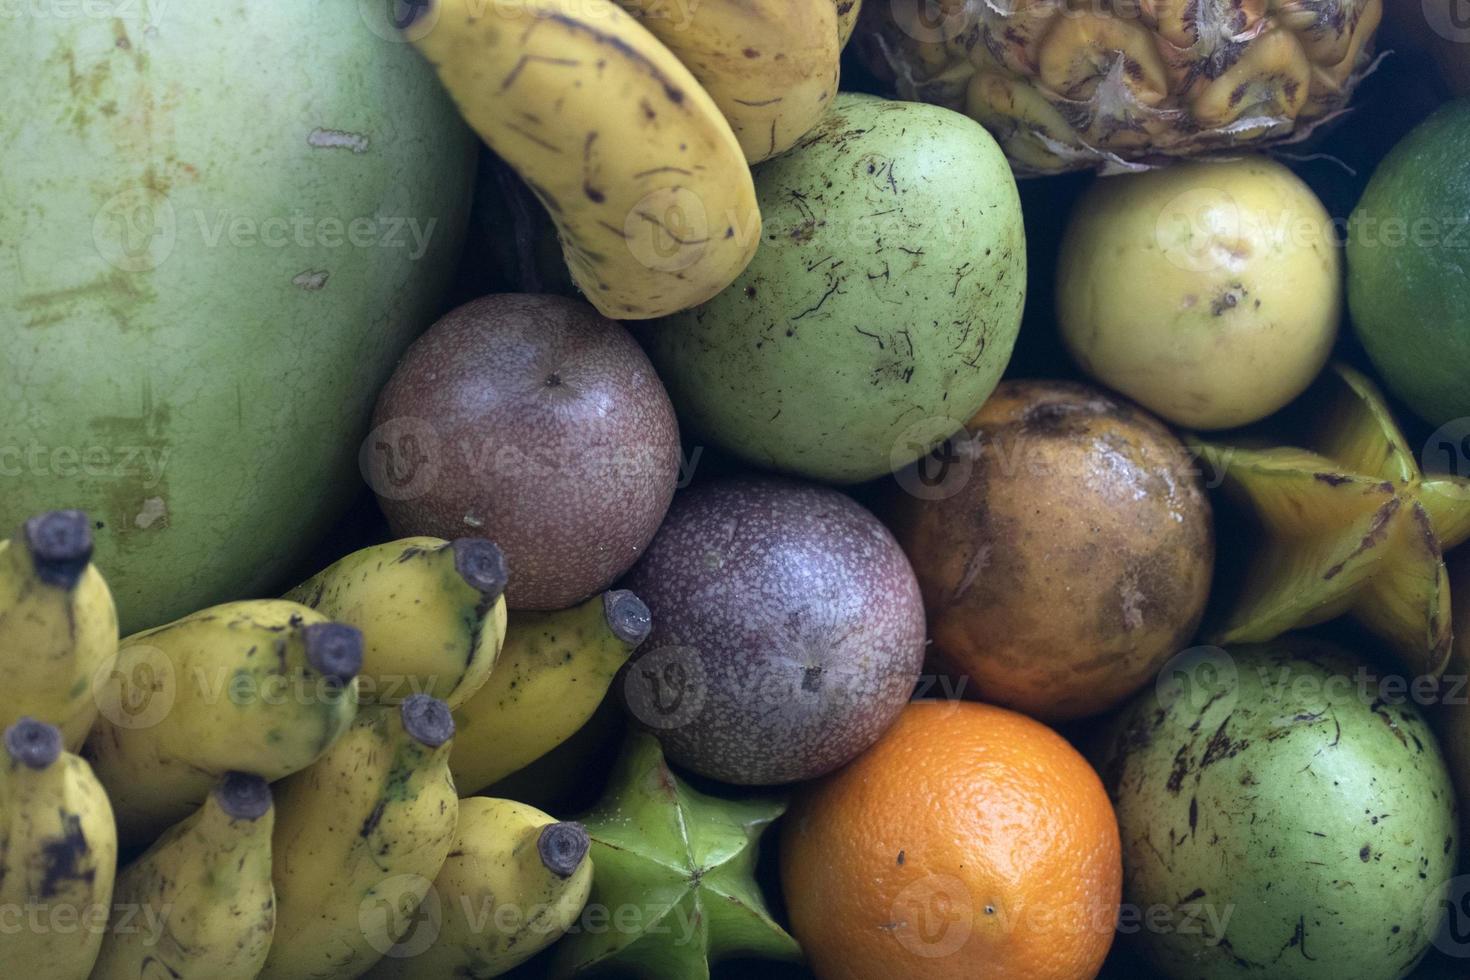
(772, 66)
(58, 625)
(365, 828)
(647, 184)
(58, 855)
(515, 881)
(431, 612)
(199, 904)
(554, 671)
(262, 686)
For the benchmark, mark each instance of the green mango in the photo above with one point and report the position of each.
(1285, 812)
(881, 308)
(222, 225)
(673, 886)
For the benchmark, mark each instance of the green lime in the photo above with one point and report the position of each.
(1409, 266)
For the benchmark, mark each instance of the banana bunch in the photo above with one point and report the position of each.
(515, 882)
(553, 672)
(199, 904)
(58, 853)
(362, 832)
(58, 626)
(263, 686)
(634, 122)
(431, 612)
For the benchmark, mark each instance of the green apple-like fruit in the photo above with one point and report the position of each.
(1285, 812)
(221, 227)
(881, 308)
(1408, 257)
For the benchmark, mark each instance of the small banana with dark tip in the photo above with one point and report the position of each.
(263, 686)
(432, 614)
(58, 854)
(361, 833)
(553, 673)
(58, 625)
(199, 904)
(514, 883)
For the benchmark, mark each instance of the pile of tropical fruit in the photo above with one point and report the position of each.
(782, 488)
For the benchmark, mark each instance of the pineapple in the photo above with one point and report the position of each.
(1125, 84)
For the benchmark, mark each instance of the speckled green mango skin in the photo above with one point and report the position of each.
(191, 334)
(1277, 823)
(880, 309)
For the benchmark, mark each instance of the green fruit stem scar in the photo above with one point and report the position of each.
(61, 542)
(627, 616)
(481, 564)
(243, 796)
(562, 847)
(33, 743)
(427, 720)
(334, 650)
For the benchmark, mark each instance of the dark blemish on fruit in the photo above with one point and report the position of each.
(61, 857)
(371, 823)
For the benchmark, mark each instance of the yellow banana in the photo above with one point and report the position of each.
(58, 854)
(198, 904)
(646, 182)
(365, 829)
(432, 614)
(513, 884)
(58, 626)
(772, 66)
(555, 669)
(262, 686)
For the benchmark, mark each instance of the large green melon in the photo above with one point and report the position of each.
(220, 224)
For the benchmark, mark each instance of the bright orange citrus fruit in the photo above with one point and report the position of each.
(971, 842)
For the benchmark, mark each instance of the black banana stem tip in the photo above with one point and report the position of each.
(562, 847)
(33, 743)
(243, 796)
(334, 650)
(627, 616)
(481, 564)
(61, 542)
(427, 720)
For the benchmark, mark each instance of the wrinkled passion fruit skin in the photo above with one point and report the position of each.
(541, 426)
(1284, 813)
(788, 631)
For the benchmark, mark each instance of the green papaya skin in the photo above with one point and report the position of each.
(223, 225)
